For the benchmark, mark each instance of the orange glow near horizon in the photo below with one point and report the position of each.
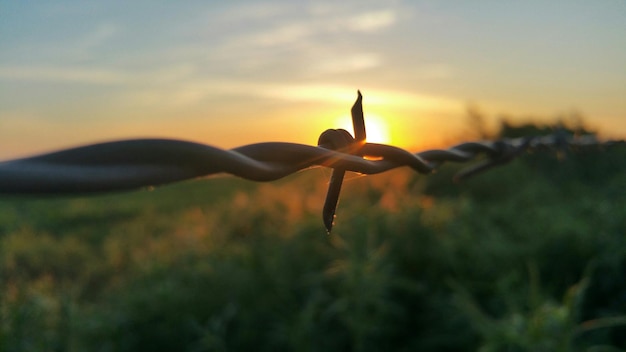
(286, 72)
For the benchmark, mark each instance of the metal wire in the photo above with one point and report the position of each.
(132, 164)
(129, 164)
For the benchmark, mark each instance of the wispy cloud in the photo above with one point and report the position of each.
(98, 36)
(95, 75)
(250, 12)
(198, 92)
(333, 93)
(289, 30)
(434, 71)
(372, 21)
(282, 34)
(345, 64)
(62, 74)
(306, 44)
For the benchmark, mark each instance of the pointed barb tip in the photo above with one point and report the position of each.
(328, 223)
(328, 216)
(358, 122)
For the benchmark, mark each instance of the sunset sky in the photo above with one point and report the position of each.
(239, 72)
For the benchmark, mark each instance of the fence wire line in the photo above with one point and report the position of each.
(130, 164)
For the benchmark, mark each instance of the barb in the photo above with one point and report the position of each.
(341, 140)
(132, 164)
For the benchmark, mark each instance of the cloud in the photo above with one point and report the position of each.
(371, 21)
(287, 30)
(63, 74)
(284, 34)
(311, 92)
(333, 93)
(96, 75)
(98, 36)
(351, 63)
(249, 12)
(418, 101)
(434, 71)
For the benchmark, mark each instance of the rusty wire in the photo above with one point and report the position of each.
(132, 164)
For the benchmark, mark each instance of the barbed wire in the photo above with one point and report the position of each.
(132, 164)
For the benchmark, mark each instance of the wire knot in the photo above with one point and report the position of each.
(339, 140)
(499, 153)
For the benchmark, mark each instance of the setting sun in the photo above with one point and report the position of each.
(376, 128)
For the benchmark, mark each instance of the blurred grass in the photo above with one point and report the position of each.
(528, 257)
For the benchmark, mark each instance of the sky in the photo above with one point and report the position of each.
(240, 72)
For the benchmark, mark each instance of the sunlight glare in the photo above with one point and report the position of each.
(376, 128)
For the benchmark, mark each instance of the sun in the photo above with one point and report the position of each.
(376, 128)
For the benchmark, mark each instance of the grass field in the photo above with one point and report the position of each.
(527, 257)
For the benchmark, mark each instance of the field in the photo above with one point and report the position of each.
(527, 257)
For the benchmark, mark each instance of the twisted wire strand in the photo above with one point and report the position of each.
(131, 164)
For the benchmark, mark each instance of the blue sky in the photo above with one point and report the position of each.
(232, 73)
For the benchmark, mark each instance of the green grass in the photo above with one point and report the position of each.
(528, 257)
